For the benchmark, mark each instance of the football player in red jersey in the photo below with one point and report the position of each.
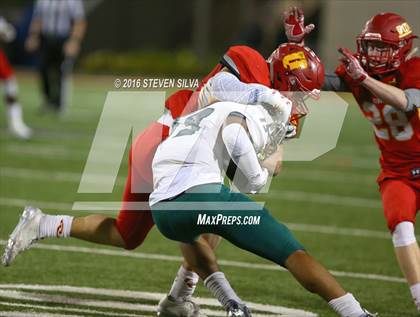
(16, 125)
(384, 78)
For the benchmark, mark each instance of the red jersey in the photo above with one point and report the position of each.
(397, 133)
(244, 62)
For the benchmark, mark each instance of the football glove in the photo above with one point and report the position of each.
(282, 107)
(352, 65)
(294, 25)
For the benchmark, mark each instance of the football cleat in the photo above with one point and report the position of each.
(24, 235)
(169, 307)
(236, 309)
(367, 314)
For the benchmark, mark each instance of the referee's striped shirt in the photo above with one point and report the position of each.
(57, 16)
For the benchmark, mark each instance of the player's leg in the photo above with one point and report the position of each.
(127, 231)
(178, 302)
(45, 74)
(269, 239)
(200, 256)
(179, 225)
(273, 241)
(97, 229)
(401, 202)
(14, 110)
(186, 279)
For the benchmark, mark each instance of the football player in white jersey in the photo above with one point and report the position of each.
(189, 198)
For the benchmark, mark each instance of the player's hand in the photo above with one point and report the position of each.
(273, 161)
(352, 65)
(294, 25)
(71, 48)
(280, 103)
(32, 43)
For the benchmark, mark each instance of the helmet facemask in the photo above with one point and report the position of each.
(378, 57)
(298, 94)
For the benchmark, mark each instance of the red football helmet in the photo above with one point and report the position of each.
(384, 43)
(296, 68)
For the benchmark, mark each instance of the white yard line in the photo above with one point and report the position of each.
(49, 205)
(311, 175)
(13, 291)
(44, 175)
(172, 258)
(70, 310)
(68, 153)
(353, 232)
(29, 314)
(329, 199)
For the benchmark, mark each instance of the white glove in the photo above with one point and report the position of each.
(279, 102)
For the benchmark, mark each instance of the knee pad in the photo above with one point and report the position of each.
(403, 234)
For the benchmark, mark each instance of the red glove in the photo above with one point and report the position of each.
(294, 25)
(352, 65)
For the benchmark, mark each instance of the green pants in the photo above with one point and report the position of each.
(213, 208)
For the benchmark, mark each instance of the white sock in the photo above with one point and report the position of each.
(346, 306)
(415, 292)
(184, 284)
(55, 226)
(15, 113)
(221, 289)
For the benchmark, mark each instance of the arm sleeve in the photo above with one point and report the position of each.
(413, 98)
(225, 86)
(242, 152)
(333, 82)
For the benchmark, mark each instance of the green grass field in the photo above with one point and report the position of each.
(332, 205)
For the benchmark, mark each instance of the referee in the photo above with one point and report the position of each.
(57, 28)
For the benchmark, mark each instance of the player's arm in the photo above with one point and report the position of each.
(333, 82)
(225, 86)
(72, 45)
(239, 146)
(405, 100)
(32, 42)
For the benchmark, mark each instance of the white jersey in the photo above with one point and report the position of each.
(192, 154)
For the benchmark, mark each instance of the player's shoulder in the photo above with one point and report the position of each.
(247, 64)
(409, 73)
(411, 65)
(243, 50)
